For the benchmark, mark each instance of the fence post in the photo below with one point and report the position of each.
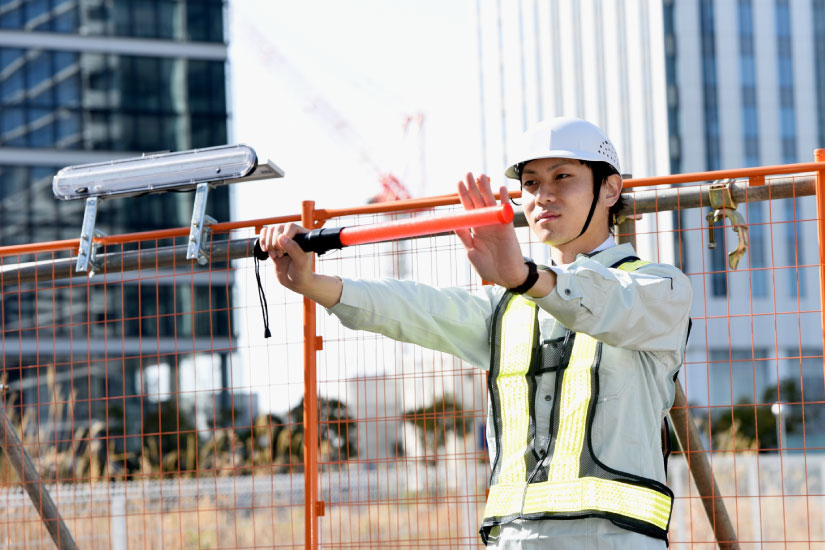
(819, 156)
(701, 471)
(118, 535)
(312, 344)
(33, 484)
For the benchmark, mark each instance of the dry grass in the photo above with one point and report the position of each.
(213, 524)
(267, 447)
(237, 492)
(414, 522)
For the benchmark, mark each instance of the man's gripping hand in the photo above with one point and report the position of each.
(293, 266)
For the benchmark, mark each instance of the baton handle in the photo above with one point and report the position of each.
(318, 241)
(326, 239)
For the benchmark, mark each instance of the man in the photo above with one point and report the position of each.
(582, 354)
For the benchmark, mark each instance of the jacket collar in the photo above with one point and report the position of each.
(610, 255)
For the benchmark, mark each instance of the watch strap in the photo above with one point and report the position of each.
(532, 277)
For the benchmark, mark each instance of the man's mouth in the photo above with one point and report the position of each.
(547, 216)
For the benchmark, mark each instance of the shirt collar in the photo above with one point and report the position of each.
(608, 243)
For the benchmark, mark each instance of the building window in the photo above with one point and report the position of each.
(747, 70)
(794, 252)
(818, 13)
(708, 45)
(193, 20)
(802, 393)
(758, 260)
(738, 376)
(108, 102)
(718, 263)
(787, 122)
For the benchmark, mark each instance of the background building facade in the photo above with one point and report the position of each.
(682, 87)
(600, 60)
(88, 81)
(744, 89)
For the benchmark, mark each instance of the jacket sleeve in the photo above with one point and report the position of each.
(645, 310)
(451, 320)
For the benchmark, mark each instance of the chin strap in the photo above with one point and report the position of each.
(596, 189)
(590, 214)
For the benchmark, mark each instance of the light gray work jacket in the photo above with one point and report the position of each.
(641, 317)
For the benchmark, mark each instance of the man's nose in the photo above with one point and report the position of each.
(545, 193)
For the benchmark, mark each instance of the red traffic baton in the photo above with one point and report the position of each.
(326, 239)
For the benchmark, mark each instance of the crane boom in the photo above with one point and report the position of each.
(316, 105)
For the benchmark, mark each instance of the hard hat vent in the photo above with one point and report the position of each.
(606, 149)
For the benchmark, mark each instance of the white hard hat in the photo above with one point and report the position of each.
(562, 137)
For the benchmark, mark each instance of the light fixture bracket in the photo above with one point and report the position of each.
(199, 230)
(86, 254)
(196, 169)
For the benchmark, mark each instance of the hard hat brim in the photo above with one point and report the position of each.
(560, 154)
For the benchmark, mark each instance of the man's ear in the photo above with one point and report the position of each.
(611, 189)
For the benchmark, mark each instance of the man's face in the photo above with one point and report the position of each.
(556, 197)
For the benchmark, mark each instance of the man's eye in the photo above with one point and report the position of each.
(562, 176)
(529, 183)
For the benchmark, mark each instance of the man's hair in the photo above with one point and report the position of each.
(601, 171)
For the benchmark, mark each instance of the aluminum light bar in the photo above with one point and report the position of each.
(198, 169)
(155, 173)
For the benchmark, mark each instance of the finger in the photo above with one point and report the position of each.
(275, 250)
(504, 194)
(464, 196)
(473, 191)
(262, 239)
(466, 238)
(265, 240)
(486, 191)
(282, 269)
(291, 229)
(290, 247)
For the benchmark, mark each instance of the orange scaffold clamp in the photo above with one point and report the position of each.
(723, 206)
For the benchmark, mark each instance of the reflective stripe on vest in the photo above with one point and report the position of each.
(631, 501)
(516, 356)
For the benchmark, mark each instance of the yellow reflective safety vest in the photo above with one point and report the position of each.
(563, 479)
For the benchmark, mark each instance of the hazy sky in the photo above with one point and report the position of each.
(307, 77)
(319, 86)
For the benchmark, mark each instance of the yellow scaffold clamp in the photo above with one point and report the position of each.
(723, 206)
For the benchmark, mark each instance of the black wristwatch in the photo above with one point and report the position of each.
(532, 277)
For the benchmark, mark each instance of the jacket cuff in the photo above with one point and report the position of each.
(351, 294)
(567, 295)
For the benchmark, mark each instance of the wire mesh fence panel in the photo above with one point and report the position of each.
(753, 374)
(127, 392)
(419, 415)
(158, 414)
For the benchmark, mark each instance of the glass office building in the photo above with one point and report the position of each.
(744, 90)
(87, 81)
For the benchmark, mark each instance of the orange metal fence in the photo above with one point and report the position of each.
(159, 416)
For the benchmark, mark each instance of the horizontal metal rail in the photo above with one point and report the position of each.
(639, 202)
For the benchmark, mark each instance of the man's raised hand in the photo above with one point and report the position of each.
(493, 250)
